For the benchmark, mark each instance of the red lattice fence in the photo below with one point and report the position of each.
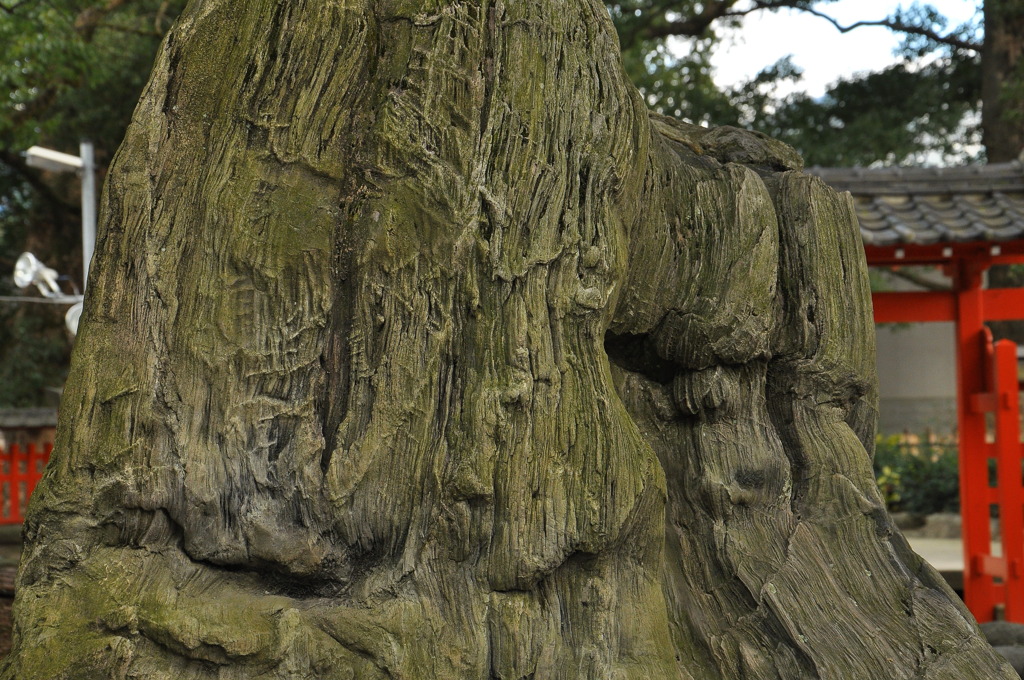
(20, 471)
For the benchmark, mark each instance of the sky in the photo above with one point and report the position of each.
(820, 50)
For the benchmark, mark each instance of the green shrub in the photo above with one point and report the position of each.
(920, 477)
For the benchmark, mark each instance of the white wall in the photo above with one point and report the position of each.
(917, 360)
(916, 377)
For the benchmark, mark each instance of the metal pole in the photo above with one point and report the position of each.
(88, 209)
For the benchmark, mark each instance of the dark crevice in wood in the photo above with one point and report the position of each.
(637, 353)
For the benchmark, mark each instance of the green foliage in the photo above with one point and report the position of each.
(918, 477)
(74, 69)
(34, 347)
(71, 70)
(900, 115)
(34, 354)
(924, 107)
(679, 87)
(890, 482)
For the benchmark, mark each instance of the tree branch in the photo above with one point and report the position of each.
(90, 19)
(898, 26)
(161, 16)
(128, 29)
(696, 25)
(10, 9)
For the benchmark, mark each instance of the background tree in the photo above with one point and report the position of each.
(69, 70)
(1003, 80)
(416, 348)
(926, 104)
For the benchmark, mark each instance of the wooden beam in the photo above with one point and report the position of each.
(1004, 304)
(985, 252)
(998, 304)
(914, 306)
(973, 342)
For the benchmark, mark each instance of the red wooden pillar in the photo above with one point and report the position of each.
(1010, 487)
(975, 493)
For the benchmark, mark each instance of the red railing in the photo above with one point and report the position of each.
(20, 470)
(994, 581)
(988, 412)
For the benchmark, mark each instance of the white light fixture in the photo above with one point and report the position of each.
(28, 270)
(54, 161)
(72, 316)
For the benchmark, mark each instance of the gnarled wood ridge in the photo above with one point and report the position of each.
(417, 349)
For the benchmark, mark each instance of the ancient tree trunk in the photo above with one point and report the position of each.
(1002, 80)
(416, 349)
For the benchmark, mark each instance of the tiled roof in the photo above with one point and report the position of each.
(933, 205)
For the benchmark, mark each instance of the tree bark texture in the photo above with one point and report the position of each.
(416, 349)
(1002, 80)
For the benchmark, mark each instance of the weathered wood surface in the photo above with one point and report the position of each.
(416, 349)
